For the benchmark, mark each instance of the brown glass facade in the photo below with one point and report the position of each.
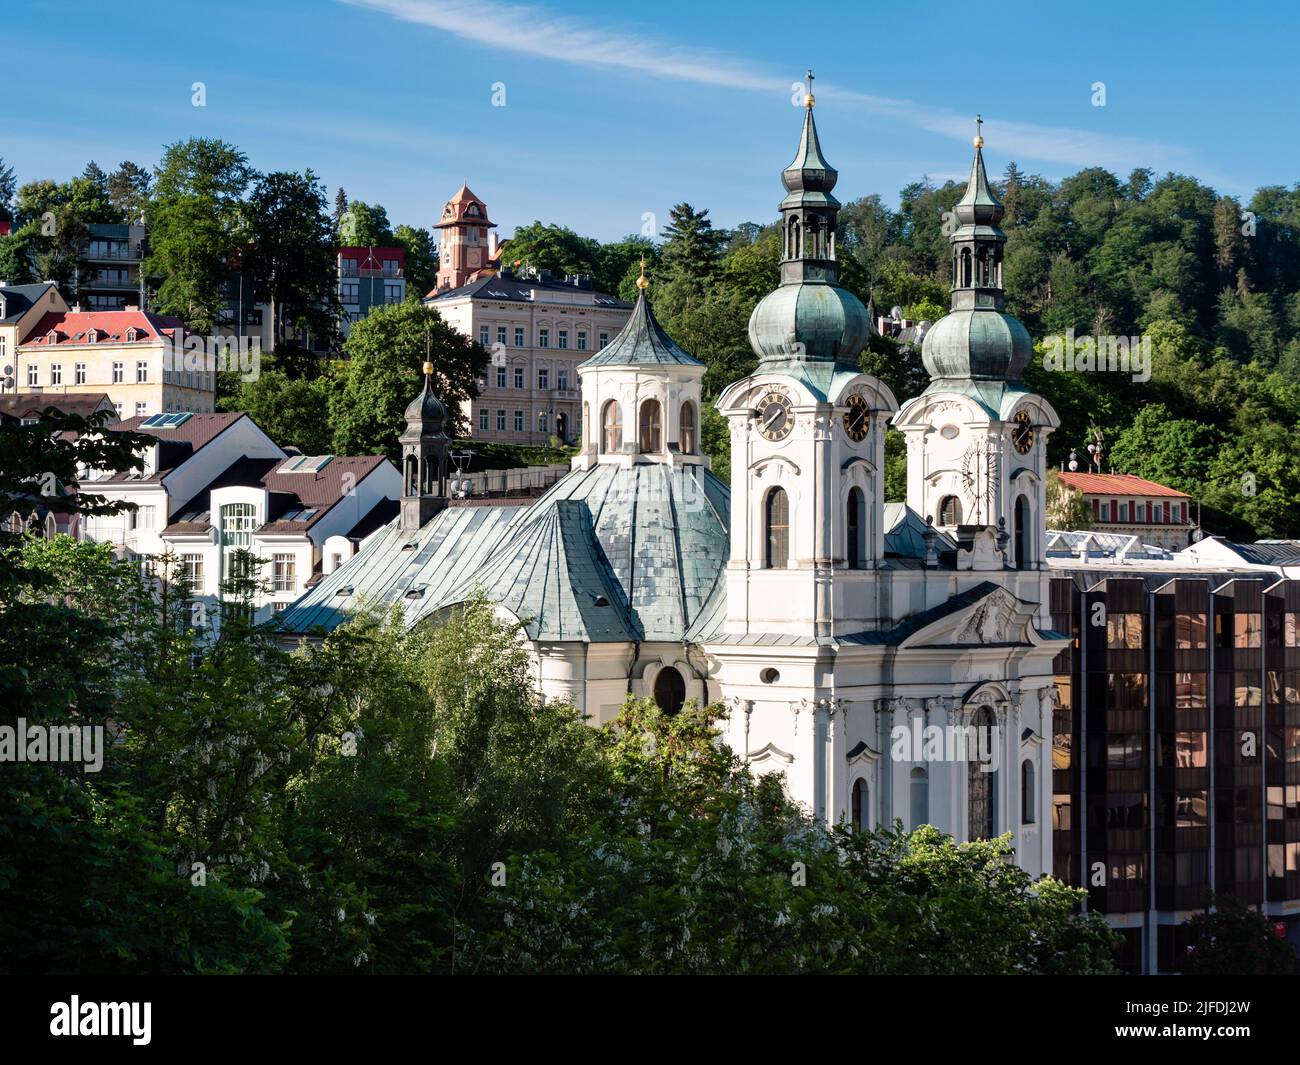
(1176, 751)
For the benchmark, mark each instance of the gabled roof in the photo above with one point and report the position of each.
(641, 342)
(296, 502)
(31, 405)
(1118, 484)
(19, 299)
(71, 327)
(178, 444)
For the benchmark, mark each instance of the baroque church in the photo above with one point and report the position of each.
(852, 640)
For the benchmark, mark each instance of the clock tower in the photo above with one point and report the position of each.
(807, 433)
(977, 437)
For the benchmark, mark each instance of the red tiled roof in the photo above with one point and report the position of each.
(71, 327)
(1117, 484)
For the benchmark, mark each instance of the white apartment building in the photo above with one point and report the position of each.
(214, 484)
(538, 331)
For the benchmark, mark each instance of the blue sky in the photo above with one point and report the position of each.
(613, 111)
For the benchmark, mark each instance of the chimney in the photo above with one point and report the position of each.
(131, 307)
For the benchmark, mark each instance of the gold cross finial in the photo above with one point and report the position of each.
(810, 101)
(643, 282)
(979, 131)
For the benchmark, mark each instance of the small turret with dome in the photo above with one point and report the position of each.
(641, 396)
(809, 324)
(977, 340)
(424, 456)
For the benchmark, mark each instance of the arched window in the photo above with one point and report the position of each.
(919, 796)
(651, 425)
(776, 529)
(1028, 807)
(585, 427)
(950, 511)
(981, 782)
(854, 529)
(1021, 543)
(611, 429)
(861, 805)
(670, 690)
(412, 476)
(687, 441)
(965, 268)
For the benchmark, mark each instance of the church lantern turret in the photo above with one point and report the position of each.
(424, 457)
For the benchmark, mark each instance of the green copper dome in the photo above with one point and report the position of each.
(809, 319)
(809, 322)
(978, 345)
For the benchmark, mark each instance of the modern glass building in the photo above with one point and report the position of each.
(1176, 749)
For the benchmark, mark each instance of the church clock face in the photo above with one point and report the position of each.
(775, 418)
(1022, 432)
(857, 419)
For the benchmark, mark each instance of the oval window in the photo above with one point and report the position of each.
(950, 432)
(769, 676)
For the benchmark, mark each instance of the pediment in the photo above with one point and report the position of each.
(994, 617)
(769, 753)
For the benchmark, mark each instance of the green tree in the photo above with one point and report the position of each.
(194, 227)
(128, 190)
(421, 260)
(1235, 940)
(292, 260)
(551, 247)
(364, 225)
(292, 411)
(385, 351)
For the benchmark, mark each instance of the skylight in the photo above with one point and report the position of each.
(306, 464)
(166, 421)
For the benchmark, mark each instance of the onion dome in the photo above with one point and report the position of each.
(809, 318)
(426, 414)
(978, 340)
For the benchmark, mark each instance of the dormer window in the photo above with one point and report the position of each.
(472, 210)
(131, 335)
(92, 336)
(51, 337)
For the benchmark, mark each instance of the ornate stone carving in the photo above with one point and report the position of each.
(990, 621)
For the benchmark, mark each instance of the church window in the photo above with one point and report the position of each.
(611, 428)
(981, 783)
(1021, 518)
(949, 511)
(854, 529)
(965, 268)
(687, 441)
(861, 805)
(1028, 811)
(776, 527)
(919, 798)
(651, 426)
(670, 690)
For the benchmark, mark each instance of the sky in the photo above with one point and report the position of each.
(601, 116)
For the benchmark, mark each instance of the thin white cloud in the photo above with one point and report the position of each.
(533, 31)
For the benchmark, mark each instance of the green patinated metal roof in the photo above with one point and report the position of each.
(978, 205)
(905, 533)
(977, 344)
(607, 554)
(810, 178)
(641, 342)
(809, 322)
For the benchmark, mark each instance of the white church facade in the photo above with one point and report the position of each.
(893, 661)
